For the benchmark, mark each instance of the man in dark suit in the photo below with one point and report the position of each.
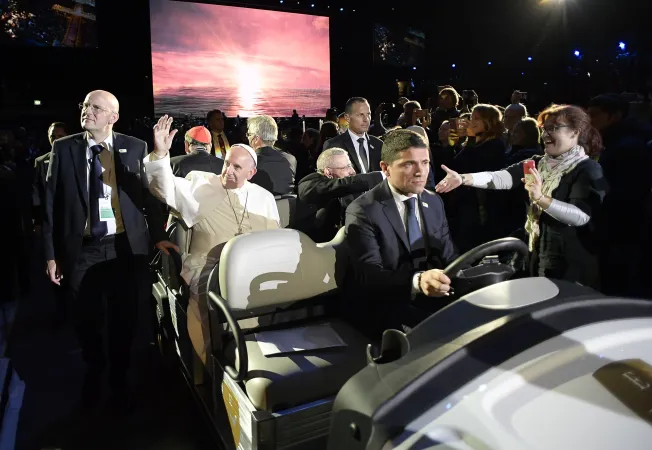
(331, 189)
(274, 166)
(399, 240)
(57, 130)
(220, 141)
(197, 157)
(97, 239)
(364, 150)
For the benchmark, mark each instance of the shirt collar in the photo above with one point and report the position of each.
(356, 137)
(108, 141)
(397, 196)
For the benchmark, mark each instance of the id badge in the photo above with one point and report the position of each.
(106, 210)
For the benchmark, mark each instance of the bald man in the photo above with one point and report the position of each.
(96, 238)
(216, 207)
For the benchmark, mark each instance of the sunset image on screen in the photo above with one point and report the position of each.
(240, 60)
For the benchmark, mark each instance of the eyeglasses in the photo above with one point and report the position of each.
(96, 109)
(553, 129)
(348, 166)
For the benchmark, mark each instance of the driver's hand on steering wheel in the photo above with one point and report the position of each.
(434, 283)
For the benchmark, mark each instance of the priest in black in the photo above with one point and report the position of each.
(198, 156)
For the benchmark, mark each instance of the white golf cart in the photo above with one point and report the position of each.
(279, 354)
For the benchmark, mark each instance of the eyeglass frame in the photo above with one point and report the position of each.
(95, 108)
(348, 166)
(554, 128)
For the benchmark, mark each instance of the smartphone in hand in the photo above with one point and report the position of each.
(527, 166)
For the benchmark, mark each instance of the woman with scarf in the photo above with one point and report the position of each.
(566, 191)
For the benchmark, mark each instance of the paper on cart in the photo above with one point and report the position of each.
(312, 337)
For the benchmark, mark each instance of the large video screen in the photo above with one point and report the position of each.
(399, 46)
(242, 61)
(48, 23)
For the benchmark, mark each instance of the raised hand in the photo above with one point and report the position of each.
(534, 184)
(163, 137)
(452, 181)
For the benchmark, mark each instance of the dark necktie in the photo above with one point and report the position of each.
(363, 155)
(95, 193)
(220, 139)
(415, 238)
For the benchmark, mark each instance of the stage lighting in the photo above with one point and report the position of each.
(341, 9)
(414, 68)
(577, 53)
(622, 46)
(529, 58)
(312, 6)
(37, 102)
(489, 63)
(454, 66)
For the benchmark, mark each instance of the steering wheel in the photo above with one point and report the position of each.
(486, 249)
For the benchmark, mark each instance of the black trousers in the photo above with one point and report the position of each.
(108, 282)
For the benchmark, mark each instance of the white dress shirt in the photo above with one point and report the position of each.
(110, 187)
(365, 148)
(402, 212)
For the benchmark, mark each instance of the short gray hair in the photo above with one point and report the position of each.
(264, 127)
(326, 158)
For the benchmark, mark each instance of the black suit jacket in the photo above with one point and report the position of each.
(381, 256)
(274, 172)
(198, 160)
(41, 165)
(66, 198)
(345, 142)
(331, 196)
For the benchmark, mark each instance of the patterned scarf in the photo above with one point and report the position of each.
(552, 169)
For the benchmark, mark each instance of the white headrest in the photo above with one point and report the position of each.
(274, 267)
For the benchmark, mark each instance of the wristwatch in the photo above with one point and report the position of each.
(463, 180)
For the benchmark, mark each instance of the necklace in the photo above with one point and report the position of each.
(244, 211)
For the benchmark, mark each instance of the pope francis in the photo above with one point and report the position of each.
(216, 207)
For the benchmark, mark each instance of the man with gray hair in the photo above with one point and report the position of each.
(331, 189)
(275, 168)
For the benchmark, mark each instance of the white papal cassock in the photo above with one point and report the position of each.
(215, 215)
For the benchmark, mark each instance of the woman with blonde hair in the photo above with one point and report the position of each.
(566, 189)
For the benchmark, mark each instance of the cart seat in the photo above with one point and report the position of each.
(274, 271)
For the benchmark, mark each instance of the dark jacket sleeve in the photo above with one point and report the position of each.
(50, 193)
(319, 189)
(366, 257)
(328, 144)
(153, 207)
(588, 189)
(449, 252)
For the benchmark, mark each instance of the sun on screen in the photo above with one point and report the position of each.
(200, 61)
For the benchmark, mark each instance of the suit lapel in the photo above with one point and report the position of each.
(118, 163)
(353, 156)
(391, 212)
(80, 161)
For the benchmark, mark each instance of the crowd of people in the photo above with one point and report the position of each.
(412, 197)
